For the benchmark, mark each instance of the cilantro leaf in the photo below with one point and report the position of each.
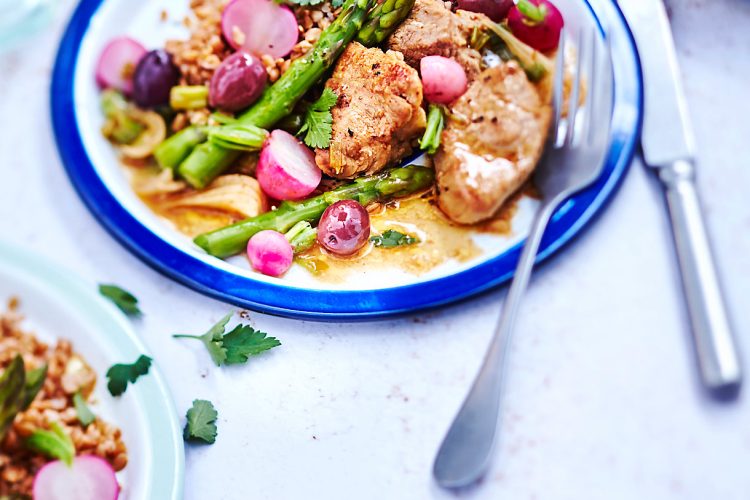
(392, 238)
(201, 422)
(233, 347)
(246, 341)
(84, 413)
(119, 375)
(121, 298)
(54, 443)
(317, 124)
(212, 340)
(337, 3)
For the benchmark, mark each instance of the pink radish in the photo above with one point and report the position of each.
(89, 478)
(536, 23)
(286, 168)
(260, 27)
(270, 253)
(443, 79)
(117, 64)
(494, 9)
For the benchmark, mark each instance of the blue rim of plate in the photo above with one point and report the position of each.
(168, 455)
(329, 305)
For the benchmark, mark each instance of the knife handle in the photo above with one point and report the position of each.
(715, 345)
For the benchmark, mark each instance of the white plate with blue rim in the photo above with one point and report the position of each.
(95, 172)
(58, 306)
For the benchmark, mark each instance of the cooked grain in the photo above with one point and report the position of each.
(53, 404)
(200, 55)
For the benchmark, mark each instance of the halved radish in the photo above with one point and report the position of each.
(260, 27)
(117, 64)
(286, 168)
(88, 478)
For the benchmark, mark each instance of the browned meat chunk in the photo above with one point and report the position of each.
(378, 113)
(491, 143)
(433, 30)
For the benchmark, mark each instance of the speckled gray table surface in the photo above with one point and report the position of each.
(602, 400)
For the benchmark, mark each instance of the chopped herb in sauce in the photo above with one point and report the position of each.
(392, 238)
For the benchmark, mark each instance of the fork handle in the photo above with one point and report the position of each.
(715, 346)
(467, 448)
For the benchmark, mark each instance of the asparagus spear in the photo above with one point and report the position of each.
(394, 183)
(301, 236)
(171, 152)
(383, 20)
(208, 159)
(238, 136)
(430, 141)
(188, 97)
(534, 63)
(120, 127)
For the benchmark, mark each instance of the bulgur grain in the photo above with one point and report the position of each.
(18, 465)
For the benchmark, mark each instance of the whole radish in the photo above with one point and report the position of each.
(270, 253)
(537, 23)
(494, 9)
(443, 79)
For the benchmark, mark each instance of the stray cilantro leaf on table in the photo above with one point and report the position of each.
(119, 375)
(212, 340)
(84, 413)
(236, 346)
(201, 422)
(392, 238)
(121, 298)
(318, 121)
(246, 341)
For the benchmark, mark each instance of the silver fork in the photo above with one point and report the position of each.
(574, 159)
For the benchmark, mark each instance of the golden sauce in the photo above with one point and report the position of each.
(439, 239)
(161, 193)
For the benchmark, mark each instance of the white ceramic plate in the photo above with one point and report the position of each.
(95, 172)
(57, 305)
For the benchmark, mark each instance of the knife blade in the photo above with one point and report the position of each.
(667, 132)
(668, 145)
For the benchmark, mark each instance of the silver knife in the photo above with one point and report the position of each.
(668, 147)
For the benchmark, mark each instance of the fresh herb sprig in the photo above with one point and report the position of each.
(318, 121)
(201, 422)
(236, 346)
(119, 375)
(121, 298)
